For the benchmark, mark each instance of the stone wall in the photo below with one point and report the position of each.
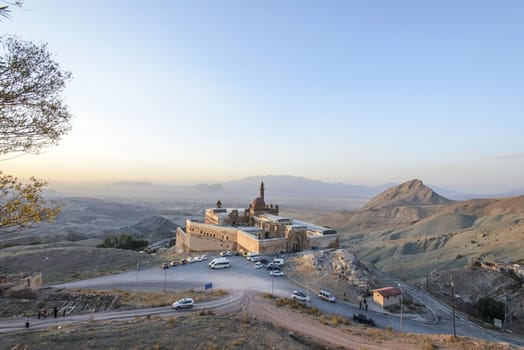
(328, 241)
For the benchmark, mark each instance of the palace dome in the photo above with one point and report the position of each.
(258, 203)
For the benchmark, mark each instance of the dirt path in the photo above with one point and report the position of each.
(265, 311)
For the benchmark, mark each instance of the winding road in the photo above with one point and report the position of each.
(243, 281)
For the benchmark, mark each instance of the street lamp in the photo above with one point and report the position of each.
(401, 305)
(453, 305)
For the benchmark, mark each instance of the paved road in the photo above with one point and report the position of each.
(243, 277)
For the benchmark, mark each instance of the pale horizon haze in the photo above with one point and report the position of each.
(358, 92)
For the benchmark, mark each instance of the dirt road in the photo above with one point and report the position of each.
(266, 311)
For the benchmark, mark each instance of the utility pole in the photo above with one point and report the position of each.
(138, 263)
(453, 306)
(136, 282)
(272, 278)
(401, 305)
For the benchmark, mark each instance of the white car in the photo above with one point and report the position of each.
(300, 296)
(276, 273)
(327, 296)
(184, 303)
(259, 265)
(190, 259)
(203, 257)
(278, 262)
(197, 259)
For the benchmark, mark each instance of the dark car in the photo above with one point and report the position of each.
(361, 318)
(272, 267)
(264, 261)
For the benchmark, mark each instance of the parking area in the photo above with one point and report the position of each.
(241, 275)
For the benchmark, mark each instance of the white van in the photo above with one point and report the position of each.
(215, 260)
(251, 255)
(220, 264)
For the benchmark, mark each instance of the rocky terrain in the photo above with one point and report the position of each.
(414, 233)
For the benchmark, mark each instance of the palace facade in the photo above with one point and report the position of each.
(258, 228)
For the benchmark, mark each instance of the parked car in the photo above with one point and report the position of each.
(278, 261)
(182, 261)
(184, 303)
(164, 266)
(361, 318)
(272, 266)
(249, 255)
(190, 259)
(327, 296)
(173, 263)
(276, 273)
(255, 258)
(222, 253)
(197, 259)
(258, 265)
(299, 295)
(203, 257)
(264, 261)
(229, 253)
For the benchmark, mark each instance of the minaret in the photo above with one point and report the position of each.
(262, 190)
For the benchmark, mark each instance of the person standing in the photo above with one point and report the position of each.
(55, 311)
(27, 322)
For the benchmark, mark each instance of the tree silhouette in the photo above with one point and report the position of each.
(32, 116)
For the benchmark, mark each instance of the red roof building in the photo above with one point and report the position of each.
(386, 297)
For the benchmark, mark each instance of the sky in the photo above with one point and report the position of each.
(359, 92)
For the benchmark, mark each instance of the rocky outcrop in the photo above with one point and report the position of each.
(339, 262)
(410, 193)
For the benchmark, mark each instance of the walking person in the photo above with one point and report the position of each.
(27, 322)
(55, 311)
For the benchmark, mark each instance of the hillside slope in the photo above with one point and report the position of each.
(153, 228)
(410, 230)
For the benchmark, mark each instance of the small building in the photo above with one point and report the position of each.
(386, 297)
(15, 282)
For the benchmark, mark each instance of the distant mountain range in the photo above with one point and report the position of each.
(279, 189)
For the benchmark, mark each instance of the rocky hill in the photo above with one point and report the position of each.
(410, 193)
(413, 233)
(411, 230)
(153, 228)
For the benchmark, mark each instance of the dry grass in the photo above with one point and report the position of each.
(153, 299)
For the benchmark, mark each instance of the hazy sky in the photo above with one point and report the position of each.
(361, 92)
